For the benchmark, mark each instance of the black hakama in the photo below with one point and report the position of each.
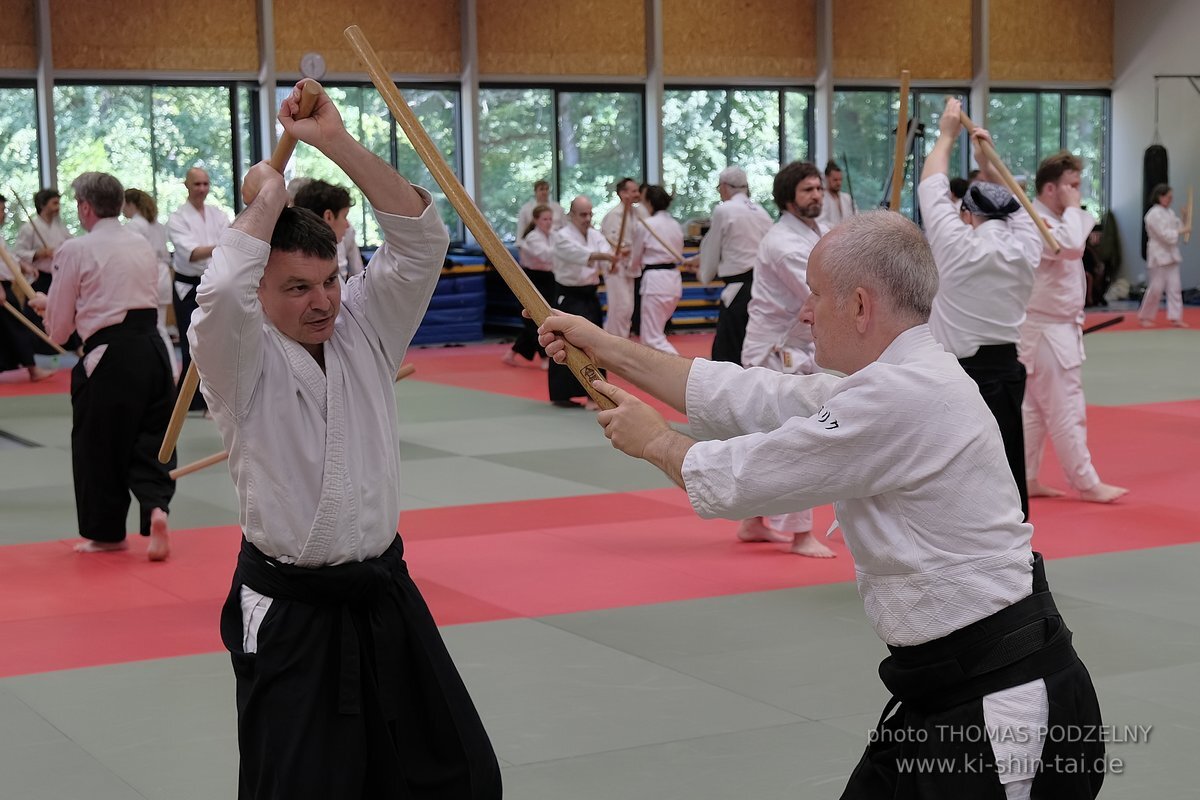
(732, 321)
(526, 344)
(16, 341)
(119, 416)
(184, 306)
(351, 692)
(1001, 380)
(583, 301)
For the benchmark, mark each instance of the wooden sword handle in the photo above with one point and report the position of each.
(497, 253)
(900, 160)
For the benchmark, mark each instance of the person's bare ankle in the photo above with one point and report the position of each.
(805, 544)
(92, 546)
(755, 530)
(1103, 493)
(160, 540)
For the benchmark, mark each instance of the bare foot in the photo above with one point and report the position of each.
(36, 374)
(89, 546)
(1037, 489)
(754, 530)
(805, 544)
(160, 543)
(590, 405)
(1145, 323)
(1103, 493)
(1178, 323)
(545, 363)
(509, 358)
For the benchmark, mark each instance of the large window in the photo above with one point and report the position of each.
(18, 154)
(148, 136)
(516, 149)
(367, 118)
(864, 144)
(1029, 126)
(600, 139)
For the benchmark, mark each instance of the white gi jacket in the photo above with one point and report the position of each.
(572, 251)
(156, 235)
(315, 455)
(730, 247)
(908, 453)
(1162, 231)
(525, 216)
(349, 257)
(537, 251)
(1054, 317)
(835, 209)
(779, 290)
(610, 228)
(29, 242)
(648, 250)
(188, 230)
(985, 274)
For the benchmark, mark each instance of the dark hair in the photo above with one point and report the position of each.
(101, 191)
(831, 166)
(617, 186)
(658, 198)
(143, 202)
(1053, 167)
(41, 198)
(788, 178)
(3, 200)
(959, 186)
(540, 183)
(299, 230)
(319, 197)
(538, 210)
(1157, 193)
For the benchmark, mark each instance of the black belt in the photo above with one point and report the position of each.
(577, 291)
(658, 266)
(741, 277)
(137, 321)
(191, 280)
(991, 355)
(1018, 644)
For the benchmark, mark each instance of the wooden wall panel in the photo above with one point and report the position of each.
(773, 38)
(1050, 40)
(541, 38)
(410, 36)
(18, 37)
(212, 36)
(878, 38)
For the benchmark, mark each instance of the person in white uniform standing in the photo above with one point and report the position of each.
(654, 255)
(776, 337)
(344, 686)
(1051, 345)
(41, 235)
(541, 197)
(194, 229)
(622, 280)
(836, 205)
(1163, 230)
(728, 251)
(141, 213)
(985, 277)
(981, 666)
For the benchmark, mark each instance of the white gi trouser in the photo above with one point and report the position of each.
(1054, 406)
(661, 290)
(803, 363)
(618, 289)
(1163, 279)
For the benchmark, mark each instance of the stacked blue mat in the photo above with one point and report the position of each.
(456, 309)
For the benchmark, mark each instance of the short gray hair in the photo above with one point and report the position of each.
(883, 251)
(101, 191)
(735, 178)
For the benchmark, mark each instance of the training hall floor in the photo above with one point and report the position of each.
(616, 645)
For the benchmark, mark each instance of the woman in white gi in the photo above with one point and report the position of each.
(537, 259)
(662, 285)
(344, 687)
(141, 215)
(908, 452)
(1163, 230)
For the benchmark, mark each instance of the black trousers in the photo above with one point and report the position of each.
(119, 416)
(731, 322)
(581, 300)
(635, 322)
(184, 306)
(351, 693)
(16, 341)
(1001, 380)
(936, 746)
(526, 344)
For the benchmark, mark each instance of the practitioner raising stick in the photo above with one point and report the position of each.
(347, 689)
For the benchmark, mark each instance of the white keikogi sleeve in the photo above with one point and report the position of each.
(724, 400)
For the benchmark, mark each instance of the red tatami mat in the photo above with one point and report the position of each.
(16, 383)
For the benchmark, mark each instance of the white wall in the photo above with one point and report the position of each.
(1154, 37)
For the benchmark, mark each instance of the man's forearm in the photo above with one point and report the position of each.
(201, 253)
(938, 160)
(385, 189)
(663, 375)
(259, 218)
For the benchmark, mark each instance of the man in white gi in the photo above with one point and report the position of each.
(837, 205)
(655, 254)
(906, 449)
(41, 235)
(332, 204)
(728, 251)
(106, 288)
(581, 253)
(541, 197)
(622, 283)
(16, 341)
(776, 337)
(1163, 231)
(1051, 345)
(986, 253)
(194, 228)
(344, 687)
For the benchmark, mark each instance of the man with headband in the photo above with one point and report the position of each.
(986, 253)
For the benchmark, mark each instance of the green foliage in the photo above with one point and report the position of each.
(516, 145)
(18, 155)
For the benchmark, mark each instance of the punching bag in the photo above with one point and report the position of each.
(1154, 172)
